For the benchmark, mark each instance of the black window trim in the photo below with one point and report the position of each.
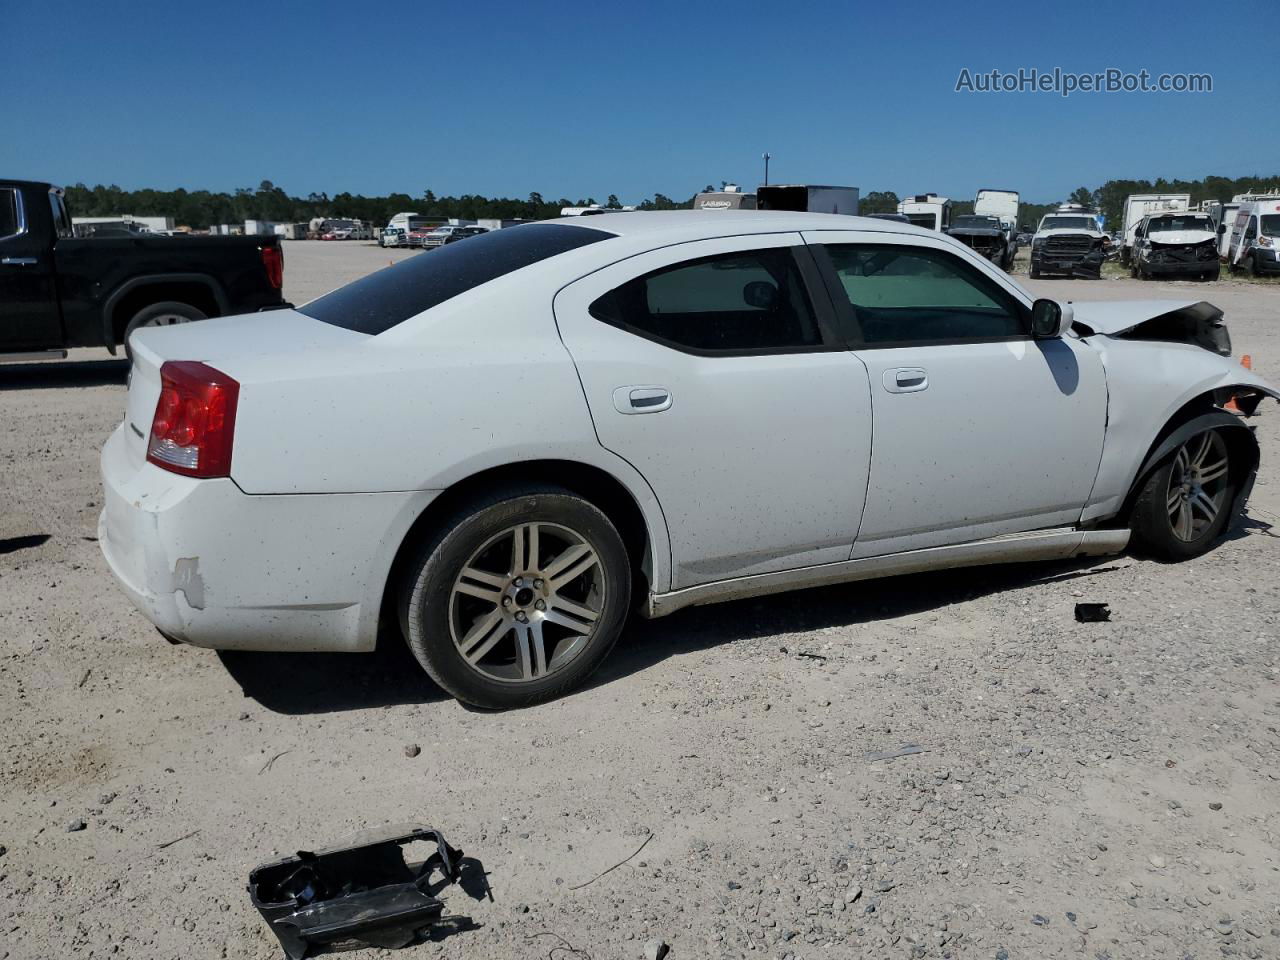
(810, 277)
(848, 316)
(19, 210)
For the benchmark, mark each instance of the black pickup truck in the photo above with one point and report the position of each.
(59, 291)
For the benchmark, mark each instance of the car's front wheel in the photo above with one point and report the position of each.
(519, 598)
(1186, 502)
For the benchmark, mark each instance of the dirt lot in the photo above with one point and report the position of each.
(1109, 790)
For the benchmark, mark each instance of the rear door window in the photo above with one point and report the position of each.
(384, 299)
(733, 303)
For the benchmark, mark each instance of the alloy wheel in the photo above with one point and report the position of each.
(1198, 485)
(527, 602)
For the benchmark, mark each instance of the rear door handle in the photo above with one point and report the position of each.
(641, 399)
(19, 261)
(905, 380)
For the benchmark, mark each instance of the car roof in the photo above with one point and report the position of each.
(699, 224)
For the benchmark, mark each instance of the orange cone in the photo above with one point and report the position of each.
(1246, 361)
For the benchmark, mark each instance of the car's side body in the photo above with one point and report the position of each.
(749, 471)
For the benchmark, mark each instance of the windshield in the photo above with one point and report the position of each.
(927, 220)
(983, 223)
(1179, 223)
(381, 300)
(340, 224)
(1271, 225)
(1069, 223)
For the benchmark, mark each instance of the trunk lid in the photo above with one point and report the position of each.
(244, 347)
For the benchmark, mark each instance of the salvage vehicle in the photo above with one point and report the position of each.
(987, 236)
(59, 291)
(1175, 244)
(498, 451)
(1137, 206)
(1255, 238)
(1004, 204)
(1069, 242)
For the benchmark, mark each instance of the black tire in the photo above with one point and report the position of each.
(1035, 272)
(1152, 520)
(1250, 266)
(1133, 270)
(164, 313)
(432, 612)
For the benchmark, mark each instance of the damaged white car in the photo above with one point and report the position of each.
(500, 451)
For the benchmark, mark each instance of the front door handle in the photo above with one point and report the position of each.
(641, 399)
(19, 261)
(906, 380)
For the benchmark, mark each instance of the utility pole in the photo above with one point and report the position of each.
(766, 157)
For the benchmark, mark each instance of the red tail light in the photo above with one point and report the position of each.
(273, 260)
(195, 420)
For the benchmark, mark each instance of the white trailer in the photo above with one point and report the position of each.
(999, 203)
(927, 210)
(807, 197)
(1137, 206)
(730, 198)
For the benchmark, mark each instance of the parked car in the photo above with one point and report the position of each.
(417, 236)
(1137, 206)
(462, 233)
(988, 236)
(392, 237)
(1254, 244)
(498, 451)
(439, 236)
(1069, 242)
(1175, 244)
(59, 291)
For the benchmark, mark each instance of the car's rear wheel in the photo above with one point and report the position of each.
(519, 598)
(1186, 502)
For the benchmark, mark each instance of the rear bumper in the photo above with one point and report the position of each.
(215, 567)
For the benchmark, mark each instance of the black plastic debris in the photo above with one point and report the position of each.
(365, 889)
(1092, 612)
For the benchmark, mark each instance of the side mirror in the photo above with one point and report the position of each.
(1050, 319)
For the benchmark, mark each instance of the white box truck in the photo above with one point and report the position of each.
(927, 210)
(1137, 206)
(806, 197)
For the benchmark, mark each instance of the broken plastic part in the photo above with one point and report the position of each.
(1092, 612)
(364, 889)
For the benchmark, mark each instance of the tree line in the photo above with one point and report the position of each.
(201, 208)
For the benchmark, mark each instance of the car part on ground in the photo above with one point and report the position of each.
(363, 889)
(1092, 613)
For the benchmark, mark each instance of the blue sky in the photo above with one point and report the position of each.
(588, 99)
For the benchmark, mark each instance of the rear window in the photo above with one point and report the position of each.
(381, 300)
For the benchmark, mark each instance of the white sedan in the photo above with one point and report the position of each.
(499, 451)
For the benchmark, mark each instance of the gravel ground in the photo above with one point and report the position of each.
(1110, 790)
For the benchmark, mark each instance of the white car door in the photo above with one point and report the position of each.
(714, 369)
(980, 430)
